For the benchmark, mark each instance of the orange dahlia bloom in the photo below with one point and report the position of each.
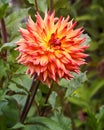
(51, 47)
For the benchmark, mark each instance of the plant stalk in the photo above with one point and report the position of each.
(51, 6)
(30, 98)
(46, 101)
(3, 31)
(36, 4)
(4, 37)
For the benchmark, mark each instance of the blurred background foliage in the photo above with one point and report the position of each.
(77, 104)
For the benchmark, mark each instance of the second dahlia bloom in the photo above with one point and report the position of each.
(51, 47)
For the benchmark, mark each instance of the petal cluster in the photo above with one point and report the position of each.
(51, 47)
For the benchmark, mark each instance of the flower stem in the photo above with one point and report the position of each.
(51, 6)
(46, 101)
(3, 31)
(4, 36)
(30, 98)
(36, 4)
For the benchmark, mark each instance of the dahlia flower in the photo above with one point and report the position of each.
(51, 47)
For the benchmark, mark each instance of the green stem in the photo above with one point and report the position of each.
(46, 101)
(4, 37)
(29, 100)
(51, 6)
(36, 4)
(3, 31)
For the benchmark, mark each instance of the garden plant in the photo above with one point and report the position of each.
(51, 65)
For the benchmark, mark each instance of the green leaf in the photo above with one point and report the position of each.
(42, 4)
(100, 115)
(93, 46)
(11, 58)
(46, 122)
(9, 45)
(64, 122)
(20, 70)
(2, 104)
(100, 118)
(4, 1)
(15, 18)
(2, 69)
(97, 84)
(3, 94)
(60, 4)
(85, 18)
(52, 99)
(92, 121)
(31, 1)
(87, 41)
(73, 84)
(14, 21)
(17, 126)
(35, 127)
(10, 112)
(57, 123)
(79, 101)
(3, 8)
(15, 88)
(22, 81)
(2, 123)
